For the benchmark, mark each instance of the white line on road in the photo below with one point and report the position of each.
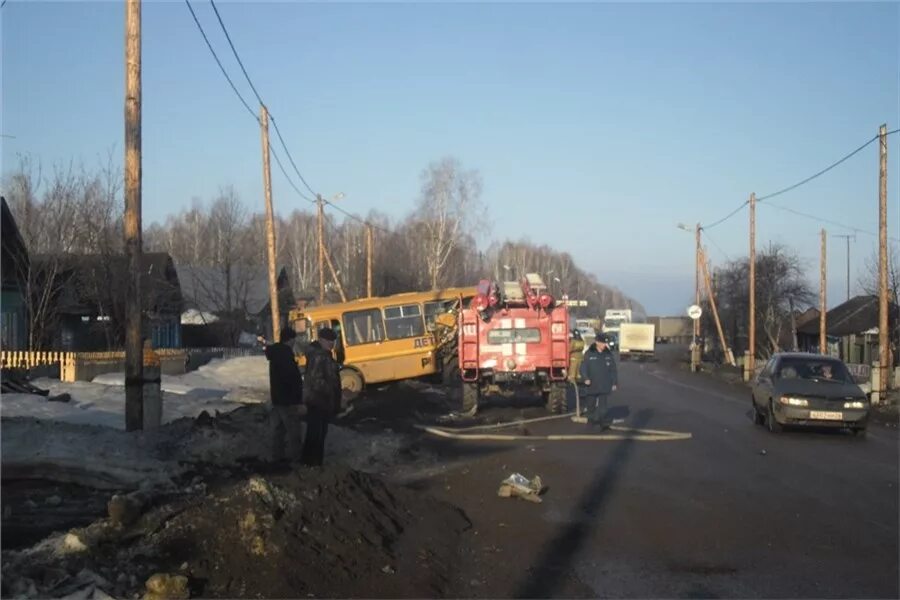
(699, 390)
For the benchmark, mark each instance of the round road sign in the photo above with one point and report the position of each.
(694, 311)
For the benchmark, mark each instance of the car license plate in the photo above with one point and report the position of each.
(826, 415)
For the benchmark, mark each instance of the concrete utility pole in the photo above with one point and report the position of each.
(847, 238)
(751, 358)
(823, 304)
(134, 367)
(321, 235)
(884, 353)
(369, 258)
(270, 225)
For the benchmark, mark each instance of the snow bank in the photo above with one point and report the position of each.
(222, 385)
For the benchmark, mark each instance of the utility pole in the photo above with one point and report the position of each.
(134, 366)
(695, 348)
(270, 225)
(334, 277)
(321, 232)
(751, 358)
(884, 354)
(848, 238)
(369, 258)
(729, 355)
(823, 304)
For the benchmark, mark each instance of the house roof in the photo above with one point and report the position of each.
(855, 316)
(207, 289)
(14, 252)
(94, 283)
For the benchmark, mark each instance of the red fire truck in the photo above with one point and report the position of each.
(514, 337)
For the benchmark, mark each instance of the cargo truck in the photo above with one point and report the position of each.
(637, 340)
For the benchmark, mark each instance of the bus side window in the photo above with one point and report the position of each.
(404, 321)
(363, 327)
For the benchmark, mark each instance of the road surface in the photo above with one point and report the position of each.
(735, 511)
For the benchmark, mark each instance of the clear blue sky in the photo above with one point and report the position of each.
(596, 127)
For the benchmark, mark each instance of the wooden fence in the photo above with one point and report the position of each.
(84, 366)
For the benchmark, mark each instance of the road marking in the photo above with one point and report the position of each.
(697, 389)
(621, 433)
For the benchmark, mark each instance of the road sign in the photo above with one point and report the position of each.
(575, 302)
(694, 311)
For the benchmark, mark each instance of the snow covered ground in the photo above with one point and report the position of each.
(222, 385)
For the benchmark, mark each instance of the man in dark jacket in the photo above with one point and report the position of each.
(323, 394)
(600, 377)
(286, 390)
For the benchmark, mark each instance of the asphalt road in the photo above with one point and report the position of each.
(735, 511)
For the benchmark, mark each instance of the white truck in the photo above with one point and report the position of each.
(614, 318)
(637, 340)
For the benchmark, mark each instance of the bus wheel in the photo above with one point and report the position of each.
(351, 385)
(471, 396)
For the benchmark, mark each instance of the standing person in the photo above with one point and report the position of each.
(323, 395)
(600, 377)
(286, 390)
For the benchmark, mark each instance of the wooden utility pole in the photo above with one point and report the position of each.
(270, 226)
(369, 258)
(823, 300)
(848, 238)
(729, 355)
(884, 354)
(134, 367)
(321, 235)
(334, 277)
(695, 349)
(751, 358)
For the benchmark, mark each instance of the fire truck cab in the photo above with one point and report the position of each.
(514, 337)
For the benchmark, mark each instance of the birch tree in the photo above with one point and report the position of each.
(449, 206)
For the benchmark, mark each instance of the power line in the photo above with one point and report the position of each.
(800, 183)
(288, 153)
(825, 221)
(819, 174)
(237, 57)
(235, 52)
(246, 104)
(219, 62)
(726, 217)
(717, 246)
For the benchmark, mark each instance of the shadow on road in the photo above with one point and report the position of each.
(558, 555)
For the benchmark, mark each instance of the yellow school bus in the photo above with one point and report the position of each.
(382, 339)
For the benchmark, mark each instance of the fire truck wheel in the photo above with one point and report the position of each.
(451, 376)
(471, 396)
(556, 399)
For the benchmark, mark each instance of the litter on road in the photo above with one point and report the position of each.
(519, 486)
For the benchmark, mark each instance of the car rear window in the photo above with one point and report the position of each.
(816, 369)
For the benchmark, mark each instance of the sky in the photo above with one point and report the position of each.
(596, 127)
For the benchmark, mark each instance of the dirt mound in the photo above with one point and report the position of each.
(330, 532)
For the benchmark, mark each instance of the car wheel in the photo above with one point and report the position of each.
(860, 432)
(774, 425)
(758, 418)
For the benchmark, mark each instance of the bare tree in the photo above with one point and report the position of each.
(868, 280)
(49, 220)
(449, 206)
(781, 288)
